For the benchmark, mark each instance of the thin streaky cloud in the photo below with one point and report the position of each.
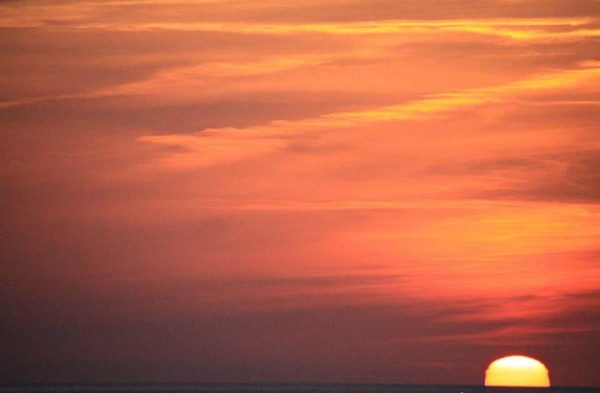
(188, 76)
(521, 30)
(91, 16)
(216, 146)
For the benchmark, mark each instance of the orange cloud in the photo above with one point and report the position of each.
(215, 146)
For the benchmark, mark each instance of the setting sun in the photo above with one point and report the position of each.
(517, 371)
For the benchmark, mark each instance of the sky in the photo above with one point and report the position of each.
(367, 191)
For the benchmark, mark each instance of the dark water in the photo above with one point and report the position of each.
(281, 388)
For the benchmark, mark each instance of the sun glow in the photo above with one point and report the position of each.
(517, 371)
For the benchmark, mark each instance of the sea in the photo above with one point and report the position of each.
(281, 388)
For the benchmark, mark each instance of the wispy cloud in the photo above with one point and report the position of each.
(215, 146)
(520, 30)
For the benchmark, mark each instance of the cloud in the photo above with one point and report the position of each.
(574, 178)
(534, 29)
(216, 146)
(298, 11)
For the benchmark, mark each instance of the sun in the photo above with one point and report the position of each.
(517, 371)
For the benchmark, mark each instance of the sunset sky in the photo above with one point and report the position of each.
(298, 190)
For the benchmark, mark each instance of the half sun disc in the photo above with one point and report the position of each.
(517, 371)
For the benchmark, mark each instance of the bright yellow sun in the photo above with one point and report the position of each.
(517, 371)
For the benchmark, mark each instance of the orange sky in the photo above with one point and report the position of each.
(299, 190)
